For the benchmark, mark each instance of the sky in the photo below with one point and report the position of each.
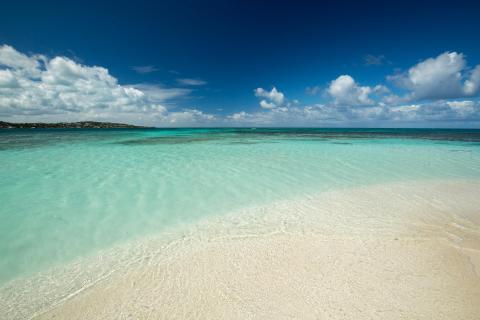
(242, 63)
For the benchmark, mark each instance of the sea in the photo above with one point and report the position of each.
(69, 193)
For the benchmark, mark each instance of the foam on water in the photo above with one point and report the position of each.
(65, 194)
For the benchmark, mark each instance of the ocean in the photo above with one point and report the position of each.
(65, 194)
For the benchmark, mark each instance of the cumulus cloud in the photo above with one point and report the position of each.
(311, 115)
(40, 88)
(191, 82)
(7, 79)
(335, 115)
(346, 91)
(472, 85)
(353, 104)
(443, 77)
(437, 111)
(272, 99)
(430, 86)
(267, 105)
(34, 87)
(21, 63)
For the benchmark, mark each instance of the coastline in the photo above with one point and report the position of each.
(68, 125)
(391, 251)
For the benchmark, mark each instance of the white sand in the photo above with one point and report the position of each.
(396, 251)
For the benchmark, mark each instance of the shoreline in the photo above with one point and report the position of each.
(397, 250)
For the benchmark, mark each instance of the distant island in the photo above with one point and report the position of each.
(66, 125)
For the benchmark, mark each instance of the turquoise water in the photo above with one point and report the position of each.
(67, 193)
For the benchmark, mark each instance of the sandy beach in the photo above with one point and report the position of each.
(393, 251)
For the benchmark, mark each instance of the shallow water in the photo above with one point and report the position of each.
(67, 193)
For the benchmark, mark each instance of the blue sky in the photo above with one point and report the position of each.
(242, 63)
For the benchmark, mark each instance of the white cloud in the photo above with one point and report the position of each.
(39, 88)
(405, 108)
(472, 85)
(346, 91)
(332, 115)
(23, 64)
(267, 105)
(191, 82)
(239, 116)
(380, 89)
(7, 79)
(442, 77)
(460, 104)
(356, 105)
(335, 115)
(277, 116)
(35, 88)
(464, 108)
(161, 94)
(189, 117)
(273, 98)
(435, 111)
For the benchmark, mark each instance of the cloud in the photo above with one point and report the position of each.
(267, 105)
(443, 77)
(472, 85)
(464, 108)
(21, 63)
(461, 104)
(273, 98)
(191, 82)
(346, 91)
(7, 79)
(37, 88)
(352, 104)
(189, 117)
(437, 111)
(161, 94)
(312, 91)
(278, 116)
(144, 69)
(378, 115)
(311, 115)
(373, 60)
